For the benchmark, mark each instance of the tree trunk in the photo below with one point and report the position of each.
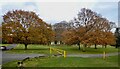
(84, 48)
(48, 43)
(116, 46)
(79, 45)
(85, 45)
(102, 46)
(95, 46)
(26, 46)
(105, 46)
(55, 42)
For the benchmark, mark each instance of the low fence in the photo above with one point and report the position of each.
(62, 52)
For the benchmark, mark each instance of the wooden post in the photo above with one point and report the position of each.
(104, 55)
(50, 51)
(64, 54)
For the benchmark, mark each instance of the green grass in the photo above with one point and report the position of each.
(4, 44)
(91, 50)
(44, 49)
(67, 62)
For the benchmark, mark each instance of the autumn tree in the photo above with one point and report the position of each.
(59, 28)
(82, 24)
(70, 37)
(101, 34)
(25, 27)
(100, 38)
(91, 28)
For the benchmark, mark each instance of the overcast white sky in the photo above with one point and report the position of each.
(54, 11)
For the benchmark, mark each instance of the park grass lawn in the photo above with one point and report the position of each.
(44, 49)
(4, 44)
(111, 61)
(91, 50)
(41, 49)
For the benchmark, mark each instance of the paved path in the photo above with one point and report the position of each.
(11, 46)
(2, 52)
(10, 57)
(7, 57)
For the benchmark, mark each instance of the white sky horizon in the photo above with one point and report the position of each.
(54, 11)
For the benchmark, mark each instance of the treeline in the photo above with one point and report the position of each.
(88, 28)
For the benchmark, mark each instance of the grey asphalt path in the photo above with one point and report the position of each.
(7, 57)
(11, 57)
(11, 46)
(8, 48)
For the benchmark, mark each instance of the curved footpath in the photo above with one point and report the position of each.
(10, 57)
(11, 46)
(7, 57)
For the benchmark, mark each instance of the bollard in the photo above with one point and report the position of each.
(50, 50)
(104, 55)
(64, 54)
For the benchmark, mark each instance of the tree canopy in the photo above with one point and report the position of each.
(25, 27)
(59, 28)
(89, 28)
